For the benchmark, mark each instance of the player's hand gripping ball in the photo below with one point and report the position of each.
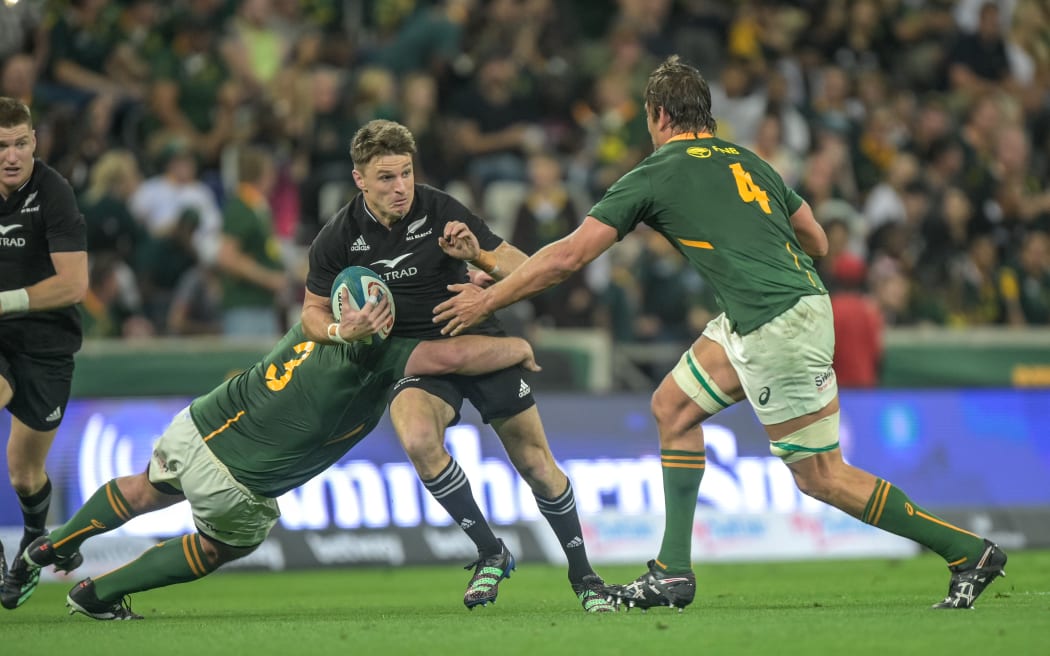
(362, 286)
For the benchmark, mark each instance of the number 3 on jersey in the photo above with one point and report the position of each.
(748, 190)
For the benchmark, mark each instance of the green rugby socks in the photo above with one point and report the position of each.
(173, 561)
(891, 510)
(106, 510)
(682, 472)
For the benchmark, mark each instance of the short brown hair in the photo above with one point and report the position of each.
(378, 138)
(14, 113)
(683, 93)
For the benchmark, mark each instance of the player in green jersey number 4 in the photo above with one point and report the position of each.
(753, 239)
(233, 451)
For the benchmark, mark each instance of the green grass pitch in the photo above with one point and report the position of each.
(809, 608)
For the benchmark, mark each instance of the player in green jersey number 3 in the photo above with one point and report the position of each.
(753, 239)
(233, 451)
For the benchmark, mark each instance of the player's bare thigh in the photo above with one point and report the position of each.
(420, 418)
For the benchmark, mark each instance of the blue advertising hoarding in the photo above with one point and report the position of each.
(949, 449)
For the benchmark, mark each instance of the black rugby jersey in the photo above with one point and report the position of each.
(406, 255)
(40, 218)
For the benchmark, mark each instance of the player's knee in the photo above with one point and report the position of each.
(26, 478)
(814, 475)
(218, 553)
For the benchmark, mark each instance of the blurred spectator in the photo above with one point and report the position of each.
(419, 113)
(92, 136)
(428, 41)
(254, 48)
(102, 312)
(18, 79)
(858, 326)
(737, 103)
(974, 295)
(946, 233)
(1026, 284)
(548, 213)
(196, 303)
(159, 201)
(497, 123)
(769, 145)
(1022, 197)
(110, 226)
(82, 43)
(193, 98)
(977, 62)
(885, 202)
(615, 133)
(254, 283)
(163, 260)
(840, 257)
(292, 90)
(18, 24)
(139, 42)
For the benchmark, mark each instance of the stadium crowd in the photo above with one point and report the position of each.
(207, 141)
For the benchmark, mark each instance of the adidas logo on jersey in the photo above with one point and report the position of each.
(55, 415)
(466, 523)
(360, 245)
(574, 543)
(523, 390)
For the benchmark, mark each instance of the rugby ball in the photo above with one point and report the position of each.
(363, 286)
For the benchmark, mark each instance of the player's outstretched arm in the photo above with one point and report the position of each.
(547, 267)
(470, 355)
(66, 287)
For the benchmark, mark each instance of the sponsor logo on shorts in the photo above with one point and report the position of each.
(523, 390)
(824, 380)
(406, 380)
(55, 415)
(763, 396)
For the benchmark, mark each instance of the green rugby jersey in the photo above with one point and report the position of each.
(727, 211)
(299, 410)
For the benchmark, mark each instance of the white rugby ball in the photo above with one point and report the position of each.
(363, 286)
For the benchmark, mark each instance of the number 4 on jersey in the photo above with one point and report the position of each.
(748, 190)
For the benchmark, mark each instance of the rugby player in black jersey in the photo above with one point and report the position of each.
(420, 239)
(43, 275)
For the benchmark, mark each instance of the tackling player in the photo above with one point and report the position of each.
(233, 451)
(732, 217)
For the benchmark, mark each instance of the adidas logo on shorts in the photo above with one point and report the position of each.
(55, 415)
(360, 245)
(523, 390)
